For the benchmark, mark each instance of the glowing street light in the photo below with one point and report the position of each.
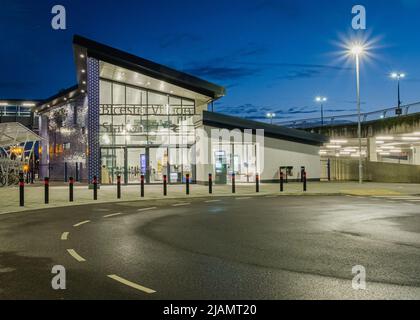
(271, 116)
(321, 100)
(398, 76)
(357, 50)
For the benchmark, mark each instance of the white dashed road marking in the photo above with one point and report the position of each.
(181, 204)
(146, 209)
(75, 255)
(65, 236)
(243, 198)
(131, 284)
(113, 215)
(81, 223)
(211, 201)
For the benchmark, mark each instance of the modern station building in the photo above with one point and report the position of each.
(128, 116)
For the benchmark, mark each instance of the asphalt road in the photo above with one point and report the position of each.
(229, 248)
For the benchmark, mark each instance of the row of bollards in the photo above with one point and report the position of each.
(142, 184)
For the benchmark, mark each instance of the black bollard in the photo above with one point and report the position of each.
(22, 192)
(329, 169)
(119, 187)
(165, 185)
(71, 189)
(188, 184)
(233, 183)
(304, 181)
(257, 183)
(95, 188)
(47, 190)
(281, 181)
(210, 183)
(142, 186)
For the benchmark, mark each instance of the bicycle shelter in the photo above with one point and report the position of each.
(17, 145)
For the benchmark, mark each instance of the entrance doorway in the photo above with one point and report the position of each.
(152, 162)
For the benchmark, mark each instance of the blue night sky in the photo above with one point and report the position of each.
(271, 55)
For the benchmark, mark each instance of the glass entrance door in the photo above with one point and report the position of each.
(136, 164)
(158, 164)
(112, 165)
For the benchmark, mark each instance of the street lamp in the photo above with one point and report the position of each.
(398, 76)
(271, 116)
(357, 50)
(321, 100)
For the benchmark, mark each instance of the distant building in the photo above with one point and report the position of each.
(22, 111)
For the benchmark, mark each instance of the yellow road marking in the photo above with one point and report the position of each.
(113, 215)
(65, 236)
(81, 223)
(146, 209)
(75, 255)
(131, 284)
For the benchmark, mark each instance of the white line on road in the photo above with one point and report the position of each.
(81, 223)
(211, 201)
(244, 198)
(75, 255)
(271, 196)
(113, 215)
(146, 209)
(131, 284)
(181, 204)
(65, 236)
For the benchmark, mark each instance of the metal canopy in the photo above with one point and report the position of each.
(14, 133)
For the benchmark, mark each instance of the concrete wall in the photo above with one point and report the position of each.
(347, 170)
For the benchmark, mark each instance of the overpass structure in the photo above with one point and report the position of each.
(390, 144)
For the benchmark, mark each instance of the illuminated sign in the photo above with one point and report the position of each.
(140, 110)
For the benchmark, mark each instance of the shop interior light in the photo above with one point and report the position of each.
(339, 141)
(388, 138)
(3, 104)
(28, 104)
(333, 147)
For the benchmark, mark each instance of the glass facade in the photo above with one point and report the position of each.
(144, 132)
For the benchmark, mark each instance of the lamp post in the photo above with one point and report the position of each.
(271, 116)
(398, 76)
(357, 50)
(321, 100)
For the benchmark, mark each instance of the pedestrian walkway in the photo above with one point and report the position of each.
(59, 193)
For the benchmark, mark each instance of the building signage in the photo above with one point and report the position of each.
(140, 110)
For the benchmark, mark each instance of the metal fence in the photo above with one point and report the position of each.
(408, 109)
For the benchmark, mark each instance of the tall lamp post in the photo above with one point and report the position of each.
(271, 116)
(398, 76)
(357, 50)
(321, 100)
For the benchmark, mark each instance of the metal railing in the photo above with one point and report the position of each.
(408, 109)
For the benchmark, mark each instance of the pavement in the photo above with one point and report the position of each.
(59, 193)
(241, 247)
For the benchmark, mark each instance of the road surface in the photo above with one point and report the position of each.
(274, 247)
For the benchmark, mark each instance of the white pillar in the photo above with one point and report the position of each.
(373, 155)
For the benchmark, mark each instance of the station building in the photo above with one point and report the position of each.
(128, 116)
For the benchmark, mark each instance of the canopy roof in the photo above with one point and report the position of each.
(12, 133)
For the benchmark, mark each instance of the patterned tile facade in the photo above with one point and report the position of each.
(93, 119)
